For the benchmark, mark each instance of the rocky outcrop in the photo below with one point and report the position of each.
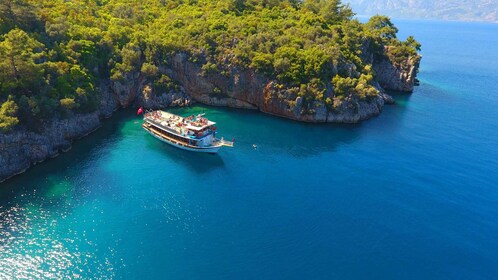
(243, 88)
(239, 88)
(349, 110)
(397, 76)
(22, 147)
(126, 89)
(152, 100)
(108, 103)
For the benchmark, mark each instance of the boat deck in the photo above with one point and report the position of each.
(167, 137)
(177, 122)
(186, 132)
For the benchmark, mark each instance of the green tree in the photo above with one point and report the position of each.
(382, 27)
(54, 54)
(149, 70)
(20, 69)
(8, 112)
(18, 13)
(411, 42)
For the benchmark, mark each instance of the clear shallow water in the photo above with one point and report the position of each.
(410, 194)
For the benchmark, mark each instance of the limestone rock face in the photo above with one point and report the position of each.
(152, 100)
(108, 103)
(397, 77)
(232, 87)
(126, 90)
(243, 88)
(21, 148)
(240, 88)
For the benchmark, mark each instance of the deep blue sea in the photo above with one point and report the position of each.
(411, 194)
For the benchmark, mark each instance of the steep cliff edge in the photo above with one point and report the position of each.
(397, 76)
(244, 88)
(238, 88)
(309, 61)
(23, 147)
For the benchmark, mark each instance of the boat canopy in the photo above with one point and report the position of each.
(191, 126)
(192, 123)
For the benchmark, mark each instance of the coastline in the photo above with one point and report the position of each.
(244, 89)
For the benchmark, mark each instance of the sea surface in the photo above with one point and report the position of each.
(411, 194)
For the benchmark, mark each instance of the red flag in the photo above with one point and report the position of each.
(233, 140)
(140, 111)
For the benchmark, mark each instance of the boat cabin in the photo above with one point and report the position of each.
(195, 131)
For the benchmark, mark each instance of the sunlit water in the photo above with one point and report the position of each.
(409, 194)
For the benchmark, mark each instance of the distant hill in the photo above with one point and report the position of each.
(477, 10)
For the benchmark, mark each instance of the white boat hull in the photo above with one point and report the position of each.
(210, 150)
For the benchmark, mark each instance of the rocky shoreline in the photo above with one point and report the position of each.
(242, 88)
(22, 148)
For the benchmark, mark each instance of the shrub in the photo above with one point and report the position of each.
(68, 104)
(149, 70)
(8, 118)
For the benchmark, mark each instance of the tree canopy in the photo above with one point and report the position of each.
(54, 53)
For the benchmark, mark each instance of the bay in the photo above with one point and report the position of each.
(410, 194)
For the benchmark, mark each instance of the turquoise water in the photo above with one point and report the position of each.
(412, 194)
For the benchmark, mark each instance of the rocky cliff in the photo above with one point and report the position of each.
(22, 147)
(395, 77)
(239, 88)
(243, 88)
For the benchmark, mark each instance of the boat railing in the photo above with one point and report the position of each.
(157, 120)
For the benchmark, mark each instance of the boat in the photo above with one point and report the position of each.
(194, 133)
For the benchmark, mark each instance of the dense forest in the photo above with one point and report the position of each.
(54, 54)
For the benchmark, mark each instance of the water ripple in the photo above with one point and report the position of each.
(32, 248)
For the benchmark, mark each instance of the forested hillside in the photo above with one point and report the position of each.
(478, 10)
(54, 54)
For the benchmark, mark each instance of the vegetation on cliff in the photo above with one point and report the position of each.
(55, 53)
